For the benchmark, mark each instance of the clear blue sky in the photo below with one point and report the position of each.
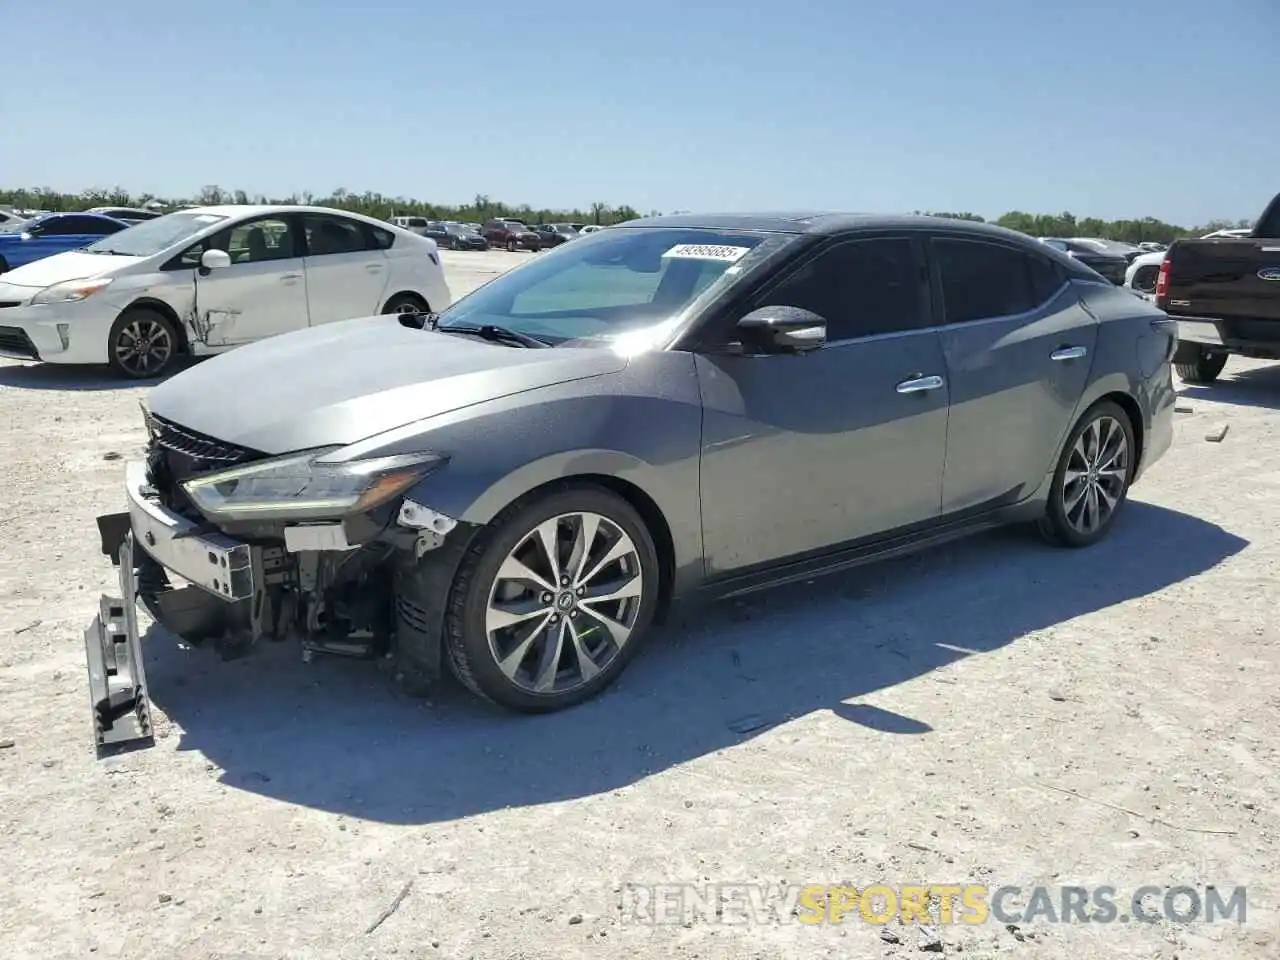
(1109, 108)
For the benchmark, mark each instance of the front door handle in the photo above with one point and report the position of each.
(374, 267)
(919, 384)
(1068, 353)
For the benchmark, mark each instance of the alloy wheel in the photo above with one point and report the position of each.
(1096, 475)
(564, 602)
(143, 347)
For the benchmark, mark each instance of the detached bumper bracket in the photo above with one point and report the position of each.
(118, 696)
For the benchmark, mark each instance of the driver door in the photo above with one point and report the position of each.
(804, 453)
(262, 293)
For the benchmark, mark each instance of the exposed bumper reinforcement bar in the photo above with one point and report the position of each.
(118, 696)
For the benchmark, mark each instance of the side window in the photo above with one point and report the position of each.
(381, 239)
(1046, 277)
(256, 241)
(72, 226)
(327, 235)
(861, 287)
(981, 280)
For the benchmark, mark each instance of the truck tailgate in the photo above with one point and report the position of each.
(1235, 280)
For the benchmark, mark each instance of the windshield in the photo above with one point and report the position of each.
(614, 282)
(150, 237)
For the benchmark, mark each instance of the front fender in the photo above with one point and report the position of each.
(641, 428)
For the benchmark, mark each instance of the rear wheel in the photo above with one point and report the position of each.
(1205, 368)
(552, 602)
(143, 343)
(1092, 479)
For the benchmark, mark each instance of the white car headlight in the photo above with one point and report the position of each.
(70, 291)
(301, 486)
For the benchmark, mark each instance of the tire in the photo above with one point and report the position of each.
(512, 246)
(1204, 369)
(591, 657)
(454, 244)
(143, 344)
(406, 303)
(1104, 474)
(4, 265)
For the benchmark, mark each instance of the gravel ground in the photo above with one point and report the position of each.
(995, 712)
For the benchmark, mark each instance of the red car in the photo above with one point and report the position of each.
(512, 234)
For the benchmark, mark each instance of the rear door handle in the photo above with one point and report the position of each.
(374, 267)
(1068, 353)
(290, 277)
(919, 384)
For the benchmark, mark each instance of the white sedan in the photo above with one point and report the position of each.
(207, 279)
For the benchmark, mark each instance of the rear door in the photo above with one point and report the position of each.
(1018, 347)
(346, 268)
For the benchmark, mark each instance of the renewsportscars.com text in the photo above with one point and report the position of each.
(815, 904)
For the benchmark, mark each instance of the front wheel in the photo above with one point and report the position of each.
(405, 303)
(142, 344)
(1092, 479)
(1203, 369)
(552, 602)
(511, 246)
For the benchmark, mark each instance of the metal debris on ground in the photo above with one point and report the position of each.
(930, 942)
(30, 626)
(395, 905)
(1183, 408)
(1215, 436)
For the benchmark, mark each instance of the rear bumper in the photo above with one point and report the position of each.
(1200, 331)
(1240, 335)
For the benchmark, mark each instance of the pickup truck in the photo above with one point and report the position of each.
(1224, 293)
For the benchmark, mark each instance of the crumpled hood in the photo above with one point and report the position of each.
(71, 265)
(342, 382)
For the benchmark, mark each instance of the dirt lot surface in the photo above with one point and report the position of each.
(996, 712)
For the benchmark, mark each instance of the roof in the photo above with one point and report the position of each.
(819, 223)
(256, 209)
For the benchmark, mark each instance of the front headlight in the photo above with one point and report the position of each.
(70, 291)
(301, 486)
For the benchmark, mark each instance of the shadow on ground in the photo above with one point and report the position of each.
(335, 736)
(52, 376)
(1253, 387)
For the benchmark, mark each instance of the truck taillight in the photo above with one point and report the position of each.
(1162, 281)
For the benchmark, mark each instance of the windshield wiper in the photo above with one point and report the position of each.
(114, 253)
(497, 334)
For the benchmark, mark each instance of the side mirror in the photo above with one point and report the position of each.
(214, 260)
(784, 329)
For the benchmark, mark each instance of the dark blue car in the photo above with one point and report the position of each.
(52, 233)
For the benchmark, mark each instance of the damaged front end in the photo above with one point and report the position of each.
(228, 546)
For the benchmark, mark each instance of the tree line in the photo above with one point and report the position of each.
(483, 207)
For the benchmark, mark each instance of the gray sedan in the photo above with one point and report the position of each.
(675, 409)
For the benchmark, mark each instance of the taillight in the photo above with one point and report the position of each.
(1162, 281)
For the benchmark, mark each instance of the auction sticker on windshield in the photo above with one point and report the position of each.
(707, 251)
